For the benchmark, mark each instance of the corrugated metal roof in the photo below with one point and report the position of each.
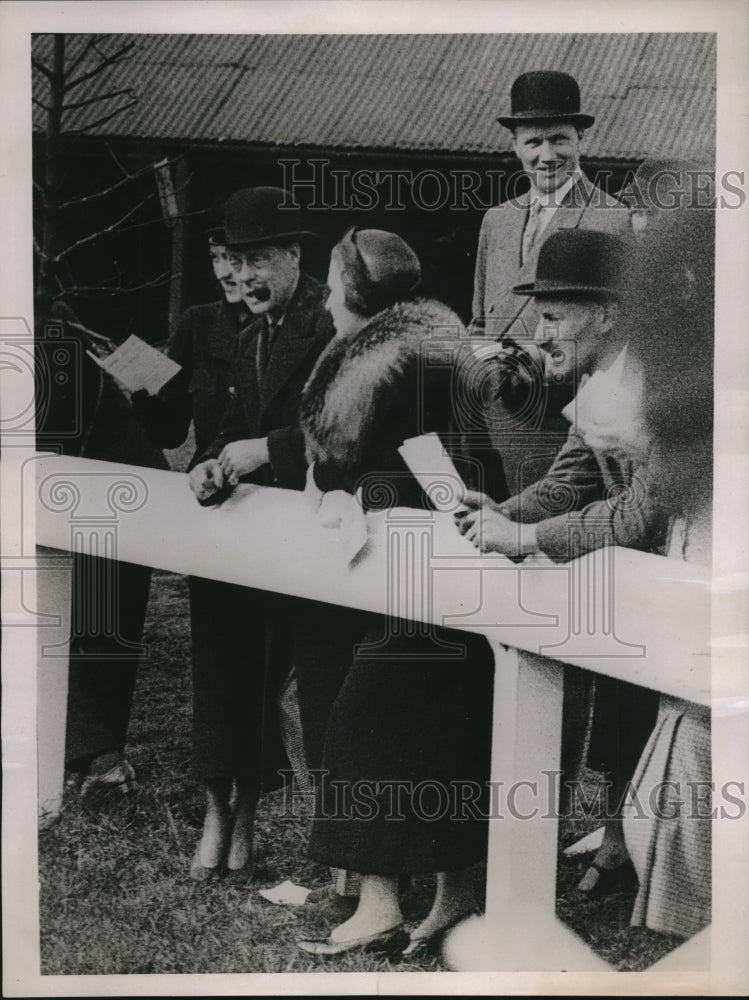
(651, 94)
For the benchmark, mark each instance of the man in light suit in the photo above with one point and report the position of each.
(548, 128)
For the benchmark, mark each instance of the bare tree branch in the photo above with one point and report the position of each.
(106, 61)
(84, 199)
(41, 104)
(94, 236)
(91, 43)
(103, 290)
(99, 121)
(42, 69)
(102, 97)
(159, 220)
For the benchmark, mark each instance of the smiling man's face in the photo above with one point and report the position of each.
(267, 276)
(550, 153)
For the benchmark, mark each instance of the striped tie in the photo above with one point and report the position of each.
(531, 229)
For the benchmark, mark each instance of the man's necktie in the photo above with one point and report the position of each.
(531, 229)
(265, 345)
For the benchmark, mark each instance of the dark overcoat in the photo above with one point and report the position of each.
(82, 411)
(266, 399)
(239, 647)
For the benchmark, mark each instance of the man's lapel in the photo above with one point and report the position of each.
(292, 342)
(510, 305)
(570, 212)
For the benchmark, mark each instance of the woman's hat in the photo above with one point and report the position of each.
(579, 262)
(545, 95)
(261, 215)
(388, 260)
(380, 269)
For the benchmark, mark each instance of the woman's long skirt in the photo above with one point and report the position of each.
(407, 754)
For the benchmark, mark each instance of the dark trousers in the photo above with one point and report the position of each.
(241, 647)
(109, 605)
(624, 716)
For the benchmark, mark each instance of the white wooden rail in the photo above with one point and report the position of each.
(630, 615)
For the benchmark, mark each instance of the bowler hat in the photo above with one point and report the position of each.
(217, 237)
(579, 262)
(259, 215)
(545, 95)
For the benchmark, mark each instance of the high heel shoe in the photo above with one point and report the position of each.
(431, 943)
(610, 880)
(199, 872)
(218, 848)
(386, 943)
(118, 779)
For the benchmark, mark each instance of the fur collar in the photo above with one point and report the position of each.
(364, 389)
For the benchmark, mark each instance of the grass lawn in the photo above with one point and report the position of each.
(116, 896)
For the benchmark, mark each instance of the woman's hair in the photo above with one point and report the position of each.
(378, 269)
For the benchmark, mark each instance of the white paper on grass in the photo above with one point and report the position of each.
(285, 894)
(137, 365)
(434, 471)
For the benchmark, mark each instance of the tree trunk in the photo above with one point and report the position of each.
(50, 238)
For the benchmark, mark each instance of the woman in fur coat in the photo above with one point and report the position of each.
(404, 717)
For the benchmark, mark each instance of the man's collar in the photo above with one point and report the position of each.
(553, 199)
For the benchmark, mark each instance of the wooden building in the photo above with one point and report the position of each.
(396, 131)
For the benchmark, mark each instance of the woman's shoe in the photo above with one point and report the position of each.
(431, 944)
(389, 942)
(119, 779)
(609, 880)
(199, 872)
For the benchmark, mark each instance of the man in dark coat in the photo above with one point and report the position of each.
(88, 415)
(258, 441)
(204, 345)
(234, 725)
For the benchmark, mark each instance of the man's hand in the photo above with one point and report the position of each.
(491, 531)
(242, 457)
(206, 479)
(472, 499)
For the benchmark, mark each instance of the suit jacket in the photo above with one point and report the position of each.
(589, 499)
(528, 442)
(265, 403)
(496, 309)
(204, 344)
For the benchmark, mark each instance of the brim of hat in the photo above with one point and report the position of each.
(510, 121)
(278, 238)
(217, 237)
(563, 290)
